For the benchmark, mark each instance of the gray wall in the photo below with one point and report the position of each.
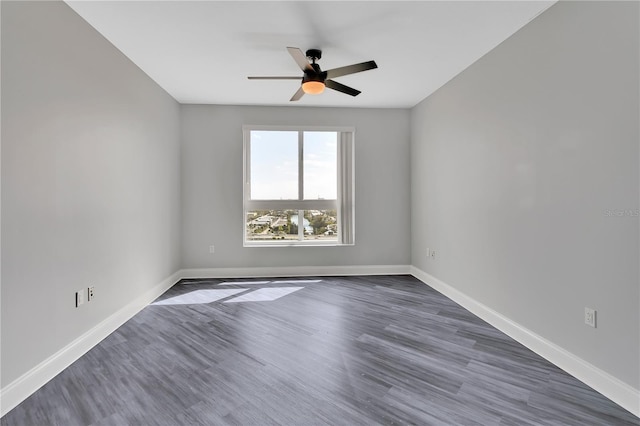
(520, 166)
(90, 181)
(212, 187)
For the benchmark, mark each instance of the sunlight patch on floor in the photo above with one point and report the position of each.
(264, 294)
(244, 282)
(200, 296)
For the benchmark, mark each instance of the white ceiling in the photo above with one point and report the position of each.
(202, 51)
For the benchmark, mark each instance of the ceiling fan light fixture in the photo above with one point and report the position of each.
(313, 87)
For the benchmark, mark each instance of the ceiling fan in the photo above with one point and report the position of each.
(314, 80)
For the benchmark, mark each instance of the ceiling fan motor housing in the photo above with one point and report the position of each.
(316, 75)
(314, 54)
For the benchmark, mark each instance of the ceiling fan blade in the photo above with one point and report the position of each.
(300, 58)
(275, 78)
(351, 69)
(297, 95)
(341, 87)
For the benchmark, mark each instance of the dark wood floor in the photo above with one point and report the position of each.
(338, 351)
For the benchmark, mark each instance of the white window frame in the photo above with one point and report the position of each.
(344, 204)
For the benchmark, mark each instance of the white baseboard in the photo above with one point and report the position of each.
(21, 388)
(295, 271)
(613, 388)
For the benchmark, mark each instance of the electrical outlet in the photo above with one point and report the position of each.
(212, 249)
(90, 293)
(433, 254)
(590, 317)
(79, 298)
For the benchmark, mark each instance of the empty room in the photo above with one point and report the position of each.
(320, 213)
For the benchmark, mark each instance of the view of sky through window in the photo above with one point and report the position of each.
(320, 165)
(274, 165)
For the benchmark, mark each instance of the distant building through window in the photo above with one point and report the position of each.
(298, 186)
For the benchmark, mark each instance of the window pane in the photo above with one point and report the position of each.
(320, 165)
(321, 225)
(292, 187)
(274, 165)
(272, 225)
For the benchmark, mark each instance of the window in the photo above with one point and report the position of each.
(298, 186)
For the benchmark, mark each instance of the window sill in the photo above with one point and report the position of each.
(296, 244)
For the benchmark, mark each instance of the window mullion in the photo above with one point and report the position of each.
(300, 165)
(300, 183)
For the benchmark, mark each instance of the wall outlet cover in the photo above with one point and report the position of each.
(79, 298)
(590, 317)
